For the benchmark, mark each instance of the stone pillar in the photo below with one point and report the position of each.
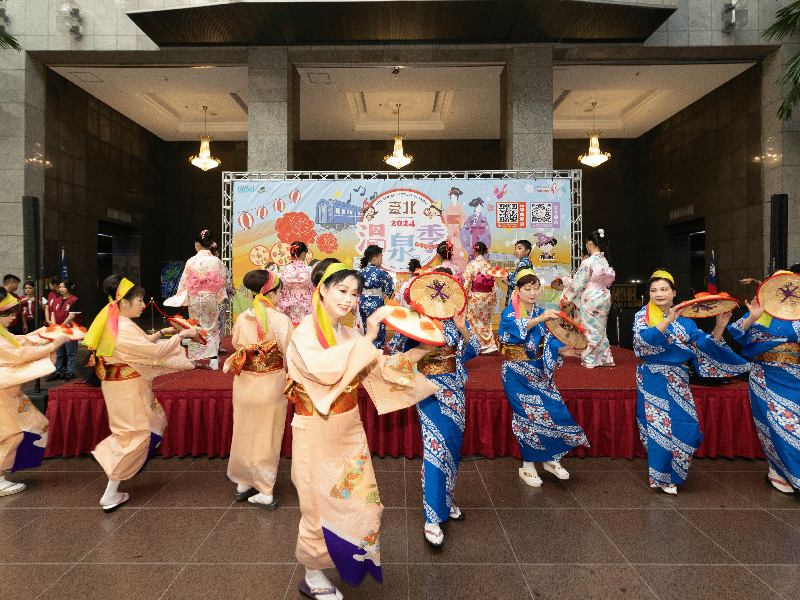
(22, 96)
(526, 95)
(780, 151)
(272, 110)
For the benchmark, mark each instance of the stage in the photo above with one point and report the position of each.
(602, 400)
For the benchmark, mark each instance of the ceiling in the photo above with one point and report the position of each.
(359, 103)
(321, 22)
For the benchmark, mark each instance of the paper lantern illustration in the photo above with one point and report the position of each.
(294, 196)
(245, 220)
(262, 212)
(279, 205)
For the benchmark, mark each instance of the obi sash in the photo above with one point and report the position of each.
(211, 283)
(483, 283)
(112, 371)
(258, 358)
(439, 362)
(785, 353)
(517, 353)
(296, 393)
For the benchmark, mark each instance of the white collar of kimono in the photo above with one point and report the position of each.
(204, 251)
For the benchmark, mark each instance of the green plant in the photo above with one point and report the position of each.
(9, 42)
(786, 22)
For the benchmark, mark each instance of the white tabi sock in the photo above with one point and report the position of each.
(111, 495)
(435, 527)
(317, 579)
(261, 499)
(242, 487)
(529, 467)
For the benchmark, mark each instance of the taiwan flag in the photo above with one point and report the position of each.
(712, 276)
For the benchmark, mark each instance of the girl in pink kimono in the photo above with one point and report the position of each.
(295, 300)
(202, 289)
(590, 285)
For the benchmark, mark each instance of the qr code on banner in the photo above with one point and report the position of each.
(541, 212)
(507, 212)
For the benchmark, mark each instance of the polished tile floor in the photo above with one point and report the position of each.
(602, 534)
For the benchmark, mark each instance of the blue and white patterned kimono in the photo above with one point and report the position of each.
(665, 410)
(377, 284)
(774, 396)
(442, 419)
(541, 423)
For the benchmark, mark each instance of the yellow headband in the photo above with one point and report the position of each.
(526, 272)
(8, 302)
(102, 335)
(662, 275)
(322, 322)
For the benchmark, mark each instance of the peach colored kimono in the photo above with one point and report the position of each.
(331, 467)
(23, 429)
(136, 419)
(259, 406)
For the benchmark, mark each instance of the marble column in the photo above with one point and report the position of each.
(526, 89)
(273, 110)
(22, 97)
(780, 151)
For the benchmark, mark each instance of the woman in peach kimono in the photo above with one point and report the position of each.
(331, 467)
(127, 360)
(23, 429)
(202, 289)
(260, 337)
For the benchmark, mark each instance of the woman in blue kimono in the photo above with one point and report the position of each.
(665, 412)
(377, 284)
(541, 422)
(773, 346)
(442, 419)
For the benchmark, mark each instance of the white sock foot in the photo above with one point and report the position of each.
(242, 487)
(260, 499)
(317, 579)
(434, 534)
(529, 475)
(556, 469)
(671, 489)
(213, 364)
(8, 488)
(779, 482)
(111, 495)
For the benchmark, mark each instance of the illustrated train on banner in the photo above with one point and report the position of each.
(408, 219)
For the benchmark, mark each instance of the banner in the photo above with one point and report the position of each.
(407, 218)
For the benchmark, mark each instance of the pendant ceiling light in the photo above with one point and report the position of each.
(397, 159)
(594, 157)
(204, 160)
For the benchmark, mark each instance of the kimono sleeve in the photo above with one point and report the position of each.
(647, 340)
(472, 349)
(26, 353)
(512, 330)
(327, 366)
(238, 335)
(222, 292)
(551, 358)
(387, 284)
(134, 345)
(578, 283)
(713, 358)
(283, 328)
(756, 340)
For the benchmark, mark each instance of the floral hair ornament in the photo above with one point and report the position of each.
(520, 312)
(213, 244)
(102, 335)
(293, 248)
(260, 301)
(322, 322)
(602, 232)
(5, 304)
